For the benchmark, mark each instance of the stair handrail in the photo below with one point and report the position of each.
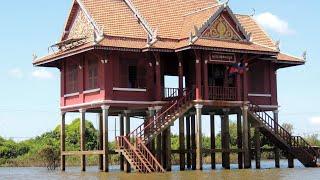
(158, 118)
(172, 109)
(150, 155)
(273, 125)
(293, 141)
(128, 143)
(297, 143)
(153, 119)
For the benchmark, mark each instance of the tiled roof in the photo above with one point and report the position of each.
(115, 18)
(167, 16)
(173, 20)
(225, 44)
(286, 57)
(258, 34)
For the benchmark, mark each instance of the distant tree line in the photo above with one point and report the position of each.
(44, 150)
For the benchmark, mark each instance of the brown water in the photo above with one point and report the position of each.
(298, 173)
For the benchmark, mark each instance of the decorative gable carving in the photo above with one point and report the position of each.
(221, 29)
(81, 27)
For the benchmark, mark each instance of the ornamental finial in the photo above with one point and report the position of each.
(304, 55)
(34, 56)
(278, 45)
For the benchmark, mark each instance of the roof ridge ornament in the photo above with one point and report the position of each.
(152, 35)
(304, 55)
(278, 45)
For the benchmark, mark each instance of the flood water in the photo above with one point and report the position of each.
(267, 172)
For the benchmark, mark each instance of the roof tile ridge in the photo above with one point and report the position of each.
(152, 34)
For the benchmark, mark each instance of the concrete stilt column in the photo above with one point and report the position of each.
(121, 119)
(257, 147)
(127, 167)
(198, 136)
(188, 141)
(182, 144)
(245, 140)
(82, 138)
(193, 141)
(63, 140)
(276, 149)
(105, 114)
(213, 141)
(225, 139)
(100, 141)
(239, 141)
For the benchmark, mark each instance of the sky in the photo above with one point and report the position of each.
(29, 96)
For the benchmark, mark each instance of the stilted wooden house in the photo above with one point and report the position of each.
(114, 54)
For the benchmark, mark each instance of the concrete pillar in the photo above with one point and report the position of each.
(245, 140)
(225, 140)
(63, 140)
(151, 113)
(239, 141)
(100, 141)
(105, 113)
(121, 119)
(127, 167)
(257, 147)
(188, 141)
(193, 141)
(276, 149)
(212, 141)
(82, 138)
(198, 136)
(182, 144)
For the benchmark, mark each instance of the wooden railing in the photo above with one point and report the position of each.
(149, 156)
(163, 117)
(270, 123)
(170, 93)
(222, 93)
(124, 143)
(296, 142)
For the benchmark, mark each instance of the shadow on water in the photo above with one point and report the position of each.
(267, 172)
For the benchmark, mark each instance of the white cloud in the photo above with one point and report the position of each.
(42, 74)
(16, 73)
(274, 23)
(315, 120)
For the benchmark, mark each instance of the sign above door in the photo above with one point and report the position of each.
(222, 57)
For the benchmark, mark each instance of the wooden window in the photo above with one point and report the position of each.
(92, 80)
(257, 78)
(132, 77)
(72, 79)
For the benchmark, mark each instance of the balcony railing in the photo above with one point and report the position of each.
(222, 93)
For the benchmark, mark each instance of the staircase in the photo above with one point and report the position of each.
(295, 145)
(133, 146)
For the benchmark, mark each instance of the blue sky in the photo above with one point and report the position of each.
(29, 97)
